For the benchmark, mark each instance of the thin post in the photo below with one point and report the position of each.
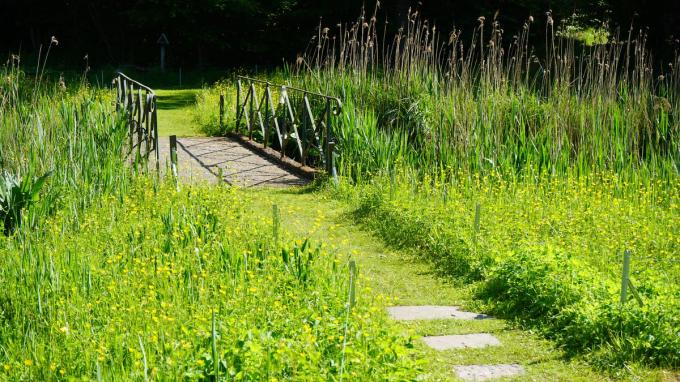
(624, 276)
(266, 115)
(250, 122)
(147, 126)
(276, 219)
(238, 104)
(119, 94)
(352, 279)
(130, 109)
(304, 129)
(215, 358)
(154, 126)
(328, 136)
(173, 155)
(221, 111)
(333, 173)
(139, 123)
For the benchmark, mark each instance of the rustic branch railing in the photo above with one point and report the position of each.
(139, 103)
(301, 120)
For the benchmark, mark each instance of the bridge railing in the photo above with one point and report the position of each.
(138, 101)
(299, 125)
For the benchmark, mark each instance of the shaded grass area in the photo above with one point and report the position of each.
(397, 276)
(174, 117)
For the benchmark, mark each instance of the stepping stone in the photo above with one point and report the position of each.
(432, 312)
(486, 372)
(461, 341)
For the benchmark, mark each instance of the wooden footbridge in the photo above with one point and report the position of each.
(276, 144)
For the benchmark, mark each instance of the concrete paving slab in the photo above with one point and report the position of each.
(461, 341)
(432, 312)
(487, 372)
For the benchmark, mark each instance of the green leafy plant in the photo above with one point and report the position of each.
(16, 195)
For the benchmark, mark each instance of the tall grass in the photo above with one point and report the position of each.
(486, 102)
(70, 131)
(166, 285)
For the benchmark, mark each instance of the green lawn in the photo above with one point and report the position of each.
(174, 112)
(403, 280)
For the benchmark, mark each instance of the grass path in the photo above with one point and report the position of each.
(174, 112)
(409, 282)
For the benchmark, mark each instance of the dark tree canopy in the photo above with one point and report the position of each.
(263, 32)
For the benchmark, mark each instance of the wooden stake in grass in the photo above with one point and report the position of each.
(173, 158)
(221, 111)
(215, 359)
(351, 300)
(275, 223)
(146, 368)
(478, 216)
(624, 276)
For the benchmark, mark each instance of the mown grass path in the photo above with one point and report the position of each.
(174, 116)
(396, 275)
(407, 281)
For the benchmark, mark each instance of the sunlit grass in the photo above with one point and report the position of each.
(174, 112)
(574, 156)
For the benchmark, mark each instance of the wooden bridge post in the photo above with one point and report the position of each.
(139, 123)
(266, 115)
(130, 109)
(173, 155)
(154, 126)
(252, 114)
(238, 104)
(221, 111)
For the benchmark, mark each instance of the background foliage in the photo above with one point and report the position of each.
(234, 32)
